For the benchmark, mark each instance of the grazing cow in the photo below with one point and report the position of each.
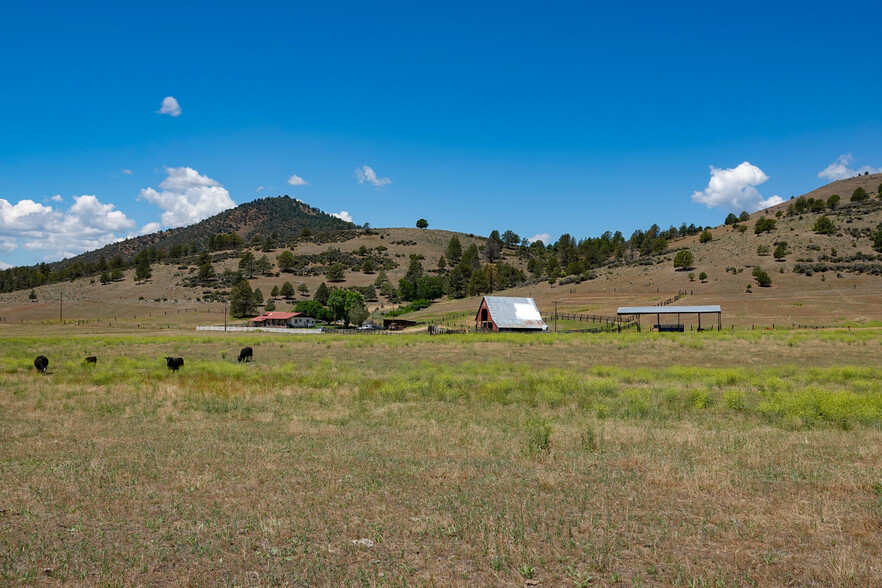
(91, 359)
(247, 354)
(174, 363)
(41, 363)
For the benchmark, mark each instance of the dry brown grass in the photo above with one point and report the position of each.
(265, 474)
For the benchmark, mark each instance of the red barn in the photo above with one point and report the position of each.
(504, 314)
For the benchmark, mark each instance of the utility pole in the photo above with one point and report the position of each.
(61, 308)
(556, 302)
(225, 316)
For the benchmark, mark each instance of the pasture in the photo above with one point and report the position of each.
(695, 459)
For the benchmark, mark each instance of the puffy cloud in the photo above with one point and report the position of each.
(296, 180)
(57, 198)
(733, 189)
(149, 228)
(88, 224)
(170, 107)
(366, 174)
(18, 219)
(125, 171)
(5, 266)
(839, 170)
(544, 237)
(343, 215)
(187, 197)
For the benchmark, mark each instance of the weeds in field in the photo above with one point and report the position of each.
(538, 432)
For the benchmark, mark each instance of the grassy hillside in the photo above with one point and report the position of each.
(823, 279)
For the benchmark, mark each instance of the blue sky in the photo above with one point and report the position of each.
(541, 118)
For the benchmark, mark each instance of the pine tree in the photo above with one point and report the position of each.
(241, 300)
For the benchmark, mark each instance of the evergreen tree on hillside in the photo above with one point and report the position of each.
(454, 250)
(824, 226)
(242, 300)
(859, 194)
(493, 247)
(322, 294)
(683, 259)
(510, 238)
(142, 266)
(286, 261)
(248, 264)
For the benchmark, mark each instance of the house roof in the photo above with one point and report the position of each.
(279, 316)
(514, 313)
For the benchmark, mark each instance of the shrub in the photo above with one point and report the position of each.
(538, 436)
(762, 278)
(705, 236)
(859, 194)
(764, 225)
(824, 225)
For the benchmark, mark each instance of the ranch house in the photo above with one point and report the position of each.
(283, 319)
(504, 314)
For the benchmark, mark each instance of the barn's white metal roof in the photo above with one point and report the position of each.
(514, 313)
(669, 309)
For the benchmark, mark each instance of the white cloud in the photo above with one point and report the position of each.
(125, 171)
(733, 189)
(839, 170)
(57, 198)
(259, 189)
(187, 197)
(170, 107)
(366, 174)
(544, 237)
(343, 215)
(296, 180)
(88, 224)
(150, 228)
(5, 266)
(20, 218)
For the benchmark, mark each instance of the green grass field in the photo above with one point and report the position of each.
(694, 459)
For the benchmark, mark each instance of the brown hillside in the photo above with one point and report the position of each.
(849, 291)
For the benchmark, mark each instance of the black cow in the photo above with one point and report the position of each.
(41, 363)
(91, 359)
(247, 354)
(174, 363)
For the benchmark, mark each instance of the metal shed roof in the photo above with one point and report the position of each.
(669, 309)
(514, 313)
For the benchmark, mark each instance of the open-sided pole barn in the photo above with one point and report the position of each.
(658, 311)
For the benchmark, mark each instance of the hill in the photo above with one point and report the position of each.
(280, 218)
(826, 278)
